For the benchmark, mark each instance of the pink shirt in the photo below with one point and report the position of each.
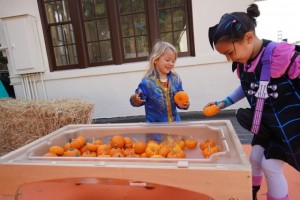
(281, 58)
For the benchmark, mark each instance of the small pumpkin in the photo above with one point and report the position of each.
(78, 142)
(128, 152)
(92, 146)
(117, 141)
(115, 150)
(118, 154)
(157, 156)
(181, 97)
(104, 155)
(98, 142)
(164, 150)
(173, 154)
(67, 146)
(209, 151)
(133, 156)
(152, 141)
(164, 143)
(144, 155)
(175, 147)
(181, 143)
(128, 142)
(49, 154)
(89, 154)
(191, 143)
(139, 147)
(58, 150)
(152, 149)
(205, 143)
(72, 153)
(83, 149)
(211, 110)
(103, 149)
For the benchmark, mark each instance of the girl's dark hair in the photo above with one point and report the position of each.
(233, 26)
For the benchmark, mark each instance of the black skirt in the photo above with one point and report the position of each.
(279, 142)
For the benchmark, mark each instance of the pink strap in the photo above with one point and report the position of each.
(262, 94)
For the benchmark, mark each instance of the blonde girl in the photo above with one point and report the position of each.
(159, 85)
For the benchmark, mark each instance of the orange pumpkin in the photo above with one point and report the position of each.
(181, 154)
(157, 156)
(98, 142)
(83, 149)
(209, 151)
(92, 146)
(113, 151)
(152, 141)
(205, 143)
(164, 143)
(117, 141)
(118, 154)
(89, 154)
(128, 142)
(152, 149)
(173, 154)
(144, 155)
(191, 143)
(133, 156)
(67, 146)
(181, 143)
(49, 154)
(128, 152)
(104, 155)
(181, 97)
(72, 153)
(164, 150)
(175, 147)
(103, 149)
(139, 147)
(78, 142)
(211, 110)
(58, 150)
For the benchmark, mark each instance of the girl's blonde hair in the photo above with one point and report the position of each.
(157, 51)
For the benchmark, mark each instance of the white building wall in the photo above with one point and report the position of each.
(206, 77)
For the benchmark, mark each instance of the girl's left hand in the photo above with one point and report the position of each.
(184, 106)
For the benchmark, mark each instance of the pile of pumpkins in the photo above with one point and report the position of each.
(122, 146)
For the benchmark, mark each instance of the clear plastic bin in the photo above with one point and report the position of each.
(228, 171)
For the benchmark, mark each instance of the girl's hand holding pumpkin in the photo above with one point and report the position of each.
(211, 109)
(221, 104)
(181, 98)
(136, 99)
(184, 106)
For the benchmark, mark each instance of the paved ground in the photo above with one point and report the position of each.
(244, 135)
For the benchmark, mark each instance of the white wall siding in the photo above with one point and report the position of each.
(206, 77)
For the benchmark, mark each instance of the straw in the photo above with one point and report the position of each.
(23, 121)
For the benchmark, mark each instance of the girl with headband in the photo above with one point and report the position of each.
(269, 74)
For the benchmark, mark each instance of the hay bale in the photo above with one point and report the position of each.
(23, 121)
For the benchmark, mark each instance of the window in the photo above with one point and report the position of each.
(3, 63)
(87, 33)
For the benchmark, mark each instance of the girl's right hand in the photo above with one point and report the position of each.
(137, 100)
(220, 105)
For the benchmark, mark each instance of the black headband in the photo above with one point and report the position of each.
(227, 23)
